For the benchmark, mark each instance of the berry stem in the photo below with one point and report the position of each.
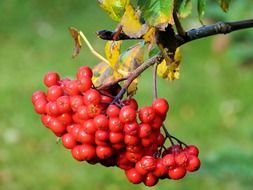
(167, 134)
(179, 141)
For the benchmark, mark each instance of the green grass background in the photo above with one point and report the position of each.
(211, 105)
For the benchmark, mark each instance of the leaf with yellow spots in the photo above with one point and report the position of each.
(114, 8)
(131, 59)
(158, 13)
(170, 71)
(102, 73)
(131, 24)
(112, 52)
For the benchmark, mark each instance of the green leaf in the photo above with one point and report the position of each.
(114, 8)
(157, 12)
(224, 4)
(185, 8)
(201, 9)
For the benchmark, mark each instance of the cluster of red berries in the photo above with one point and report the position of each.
(98, 131)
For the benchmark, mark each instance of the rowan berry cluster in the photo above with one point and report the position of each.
(98, 130)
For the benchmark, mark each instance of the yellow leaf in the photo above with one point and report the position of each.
(114, 8)
(149, 36)
(170, 71)
(112, 52)
(131, 24)
(131, 90)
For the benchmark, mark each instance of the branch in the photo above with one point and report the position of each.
(193, 34)
(137, 72)
(218, 28)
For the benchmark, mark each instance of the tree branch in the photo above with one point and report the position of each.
(218, 28)
(193, 34)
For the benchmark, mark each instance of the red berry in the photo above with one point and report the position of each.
(57, 127)
(52, 109)
(147, 114)
(181, 159)
(134, 148)
(76, 153)
(84, 71)
(82, 112)
(160, 106)
(87, 152)
(156, 123)
(63, 104)
(85, 138)
(93, 110)
(127, 114)
(68, 141)
(102, 135)
(74, 130)
(177, 173)
(139, 168)
(160, 169)
(104, 152)
(51, 78)
(169, 161)
(192, 150)
(122, 161)
(131, 103)
(116, 137)
(113, 111)
(133, 176)
(150, 180)
(54, 92)
(134, 156)
(76, 102)
(160, 139)
(89, 126)
(115, 125)
(147, 141)
(84, 84)
(65, 118)
(45, 119)
(71, 88)
(40, 106)
(38, 95)
(193, 163)
(101, 122)
(131, 140)
(144, 130)
(91, 96)
(131, 128)
(106, 99)
(148, 163)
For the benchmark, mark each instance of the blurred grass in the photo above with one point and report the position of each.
(211, 105)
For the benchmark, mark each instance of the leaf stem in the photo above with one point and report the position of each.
(93, 51)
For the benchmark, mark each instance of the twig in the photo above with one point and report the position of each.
(137, 72)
